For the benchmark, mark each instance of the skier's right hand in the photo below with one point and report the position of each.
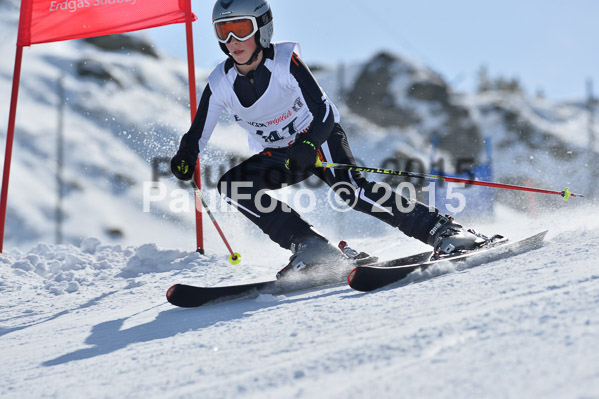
(301, 156)
(183, 164)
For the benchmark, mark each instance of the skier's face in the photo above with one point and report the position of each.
(241, 51)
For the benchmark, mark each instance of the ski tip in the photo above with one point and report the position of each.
(170, 292)
(351, 276)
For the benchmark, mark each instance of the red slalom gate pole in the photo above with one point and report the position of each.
(193, 109)
(10, 135)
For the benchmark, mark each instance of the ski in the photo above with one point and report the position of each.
(371, 277)
(190, 296)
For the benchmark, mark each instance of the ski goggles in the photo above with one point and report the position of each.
(241, 28)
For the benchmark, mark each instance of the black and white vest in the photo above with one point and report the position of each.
(275, 119)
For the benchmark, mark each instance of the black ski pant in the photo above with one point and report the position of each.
(244, 187)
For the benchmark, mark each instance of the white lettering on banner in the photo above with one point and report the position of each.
(108, 2)
(69, 5)
(74, 5)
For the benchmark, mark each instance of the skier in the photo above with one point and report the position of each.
(272, 94)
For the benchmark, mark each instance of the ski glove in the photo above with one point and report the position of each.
(301, 156)
(183, 164)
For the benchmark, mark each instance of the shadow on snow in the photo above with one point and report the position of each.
(107, 337)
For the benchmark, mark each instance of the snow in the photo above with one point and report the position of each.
(93, 321)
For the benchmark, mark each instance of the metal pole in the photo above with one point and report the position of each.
(592, 166)
(60, 160)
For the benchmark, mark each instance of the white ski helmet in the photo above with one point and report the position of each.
(241, 19)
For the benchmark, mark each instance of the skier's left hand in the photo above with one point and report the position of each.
(301, 156)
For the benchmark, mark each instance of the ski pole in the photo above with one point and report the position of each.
(235, 258)
(566, 194)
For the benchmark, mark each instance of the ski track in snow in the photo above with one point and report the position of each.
(92, 321)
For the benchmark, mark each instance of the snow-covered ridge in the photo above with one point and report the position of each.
(532, 139)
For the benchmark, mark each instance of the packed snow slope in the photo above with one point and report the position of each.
(92, 321)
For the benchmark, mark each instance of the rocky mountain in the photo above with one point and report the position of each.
(530, 140)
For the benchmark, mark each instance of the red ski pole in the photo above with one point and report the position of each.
(235, 257)
(566, 194)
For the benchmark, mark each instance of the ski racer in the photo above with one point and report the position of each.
(270, 92)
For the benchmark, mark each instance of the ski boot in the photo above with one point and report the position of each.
(357, 258)
(449, 238)
(311, 252)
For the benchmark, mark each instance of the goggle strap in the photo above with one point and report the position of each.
(264, 19)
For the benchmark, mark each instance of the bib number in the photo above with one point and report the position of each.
(277, 135)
